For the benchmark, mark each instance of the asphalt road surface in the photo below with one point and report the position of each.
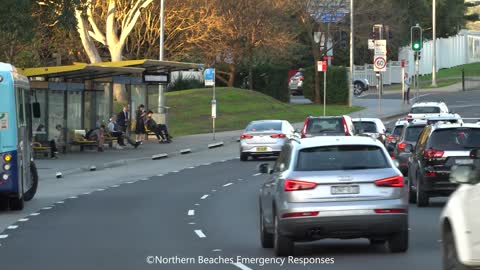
(202, 217)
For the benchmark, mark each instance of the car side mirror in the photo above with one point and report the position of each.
(408, 148)
(36, 110)
(264, 168)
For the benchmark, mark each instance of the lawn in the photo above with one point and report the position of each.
(190, 110)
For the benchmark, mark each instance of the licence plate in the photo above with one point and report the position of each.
(262, 149)
(464, 161)
(345, 190)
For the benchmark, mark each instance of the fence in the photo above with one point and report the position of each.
(392, 75)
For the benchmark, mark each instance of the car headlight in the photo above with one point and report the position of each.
(7, 158)
(5, 177)
(7, 167)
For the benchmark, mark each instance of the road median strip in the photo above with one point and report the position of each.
(160, 156)
(215, 145)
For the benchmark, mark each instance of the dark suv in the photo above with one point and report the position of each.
(439, 148)
(409, 135)
(328, 126)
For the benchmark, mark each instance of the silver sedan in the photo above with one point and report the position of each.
(336, 187)
(264, 138)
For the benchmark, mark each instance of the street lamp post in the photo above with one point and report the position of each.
(434, 38)
(350, 92)
(161, 92)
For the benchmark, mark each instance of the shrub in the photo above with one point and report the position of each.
(272, 81)
(337, 85)
(182, 83)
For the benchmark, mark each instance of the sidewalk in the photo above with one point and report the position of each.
(77, 162)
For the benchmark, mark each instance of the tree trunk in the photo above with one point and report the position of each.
(250, 78)
(119, 93)
(231, 76)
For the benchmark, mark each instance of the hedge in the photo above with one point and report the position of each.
(337, 85)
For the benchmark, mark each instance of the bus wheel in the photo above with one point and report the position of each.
(33, 190)
(16, 204)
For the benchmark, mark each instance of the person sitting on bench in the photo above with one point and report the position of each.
(160, 130)
(114, 129)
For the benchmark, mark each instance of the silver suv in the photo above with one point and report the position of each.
(336, 187)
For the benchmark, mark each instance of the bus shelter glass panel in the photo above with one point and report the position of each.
(40, 124)
(89, 106)
(153, 98)
(56, 111)
(102, 104)
(74, 115)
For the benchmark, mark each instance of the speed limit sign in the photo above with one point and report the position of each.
(380, 64)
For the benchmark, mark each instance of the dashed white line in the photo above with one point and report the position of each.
(191, 212)
(257, 174)
(34, 214)
(174, 172)
(23, 220)
(129, 182)
(206, 164)
(200, 234)
(204, 197)
(100, 189)
(228, 184)
(242, 266)
(73, 197)
(192, 223)
(240, 179)
(214, 190)
(87, 193)
(3, 236)
(47, 208)
(217, 250)
(159, 175)
(60, 202)
(197, 204)
(191, 168)
(114, 186)
(13, 227)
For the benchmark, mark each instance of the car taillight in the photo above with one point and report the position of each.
(433, 153)
(389, 138)
(395, 181)
(392, 157)
(304, 129)
(300, 214)
(409, 116)
(295, 185)
(430, 174)
(246, 136)
(277, 136)
(301, 78)
(390, 211)
(401, 146)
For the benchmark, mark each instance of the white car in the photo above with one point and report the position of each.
(460, 222)
(423, 110)
(373, 127)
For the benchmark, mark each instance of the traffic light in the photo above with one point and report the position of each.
(343, 39)
(417, 39)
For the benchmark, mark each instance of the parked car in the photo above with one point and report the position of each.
(373, 127)
(328, 126)
(440, 147)
(460, 222)
(360, 86)
(410, 133)
(264, 138)
(296, 83)
(424, 110)
(338, 187)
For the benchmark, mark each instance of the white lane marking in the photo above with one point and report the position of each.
(3, 236)
(23, 219)
(60, 202)
(115, 186)
(206, 164)
(191, 212)
(159, 175)
(47, 208)
(200, 234)
(217, 250)
(130, 182)
(223, 160)
(214, 190)
(439, 241)
(229, 184)
(87, 193)
(13, 227)
(192, 223)
(144, 179)
(197, 204)
(34, 214)
(204, 197)
(174, 172)
(100, 189)
(191, 168)
(240, 179)
(73, 197)
(257, 174)
(242, 266)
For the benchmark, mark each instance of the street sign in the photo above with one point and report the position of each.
(380, 58)
(209, 77)
(322, 66)
(156, 77)
(380, 64)
(214, 109)
(330, 17)
(380, 47)
(371, 44)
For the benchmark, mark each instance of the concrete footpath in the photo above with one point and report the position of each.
(78, 162)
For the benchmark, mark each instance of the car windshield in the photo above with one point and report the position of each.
(326, 126)
(344, 157)
(364, 126)
(397, 131)
(412, 133)
(264, 126)
(455, 139)
(427, 109)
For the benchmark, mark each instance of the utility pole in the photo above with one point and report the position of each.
(350, 92)
(161, 88)
(434, 38)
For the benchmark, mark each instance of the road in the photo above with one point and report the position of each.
(208, 209)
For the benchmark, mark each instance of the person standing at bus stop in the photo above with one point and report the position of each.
(140, 124)
(123, 119)
(406, 94)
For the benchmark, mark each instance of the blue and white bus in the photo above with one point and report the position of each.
(18, 173)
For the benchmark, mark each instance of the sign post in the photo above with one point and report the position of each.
(403, 81)
(322, 67)
(380, 65)
(209, 77)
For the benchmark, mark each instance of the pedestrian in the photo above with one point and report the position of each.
(56, 141)
(115, 131)
(123, 119)
(97, 135)
(140, 124)
(160, 130)
(406, 94)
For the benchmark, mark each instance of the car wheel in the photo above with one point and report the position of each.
(398, 242)
(16, 204)
(450, 255)
(422, 196)
(243, 156)
(412, 196)
(375, 242)
(33, 190)
(282, 246)
(266, 238)
(357, 89)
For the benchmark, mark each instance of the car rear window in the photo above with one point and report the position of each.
(325, 126)
(344, 157)
(264, 126)
(426, 109)
(455, 139)
(397, 131)
(412, 133)
(368, 127)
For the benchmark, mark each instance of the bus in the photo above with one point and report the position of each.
(18, 173)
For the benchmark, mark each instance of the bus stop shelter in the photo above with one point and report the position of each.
(85, 96)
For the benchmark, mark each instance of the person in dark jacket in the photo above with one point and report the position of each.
(160, 130)
(123, 119)
(140, 123)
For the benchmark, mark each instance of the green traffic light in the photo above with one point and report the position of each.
(416, 46)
